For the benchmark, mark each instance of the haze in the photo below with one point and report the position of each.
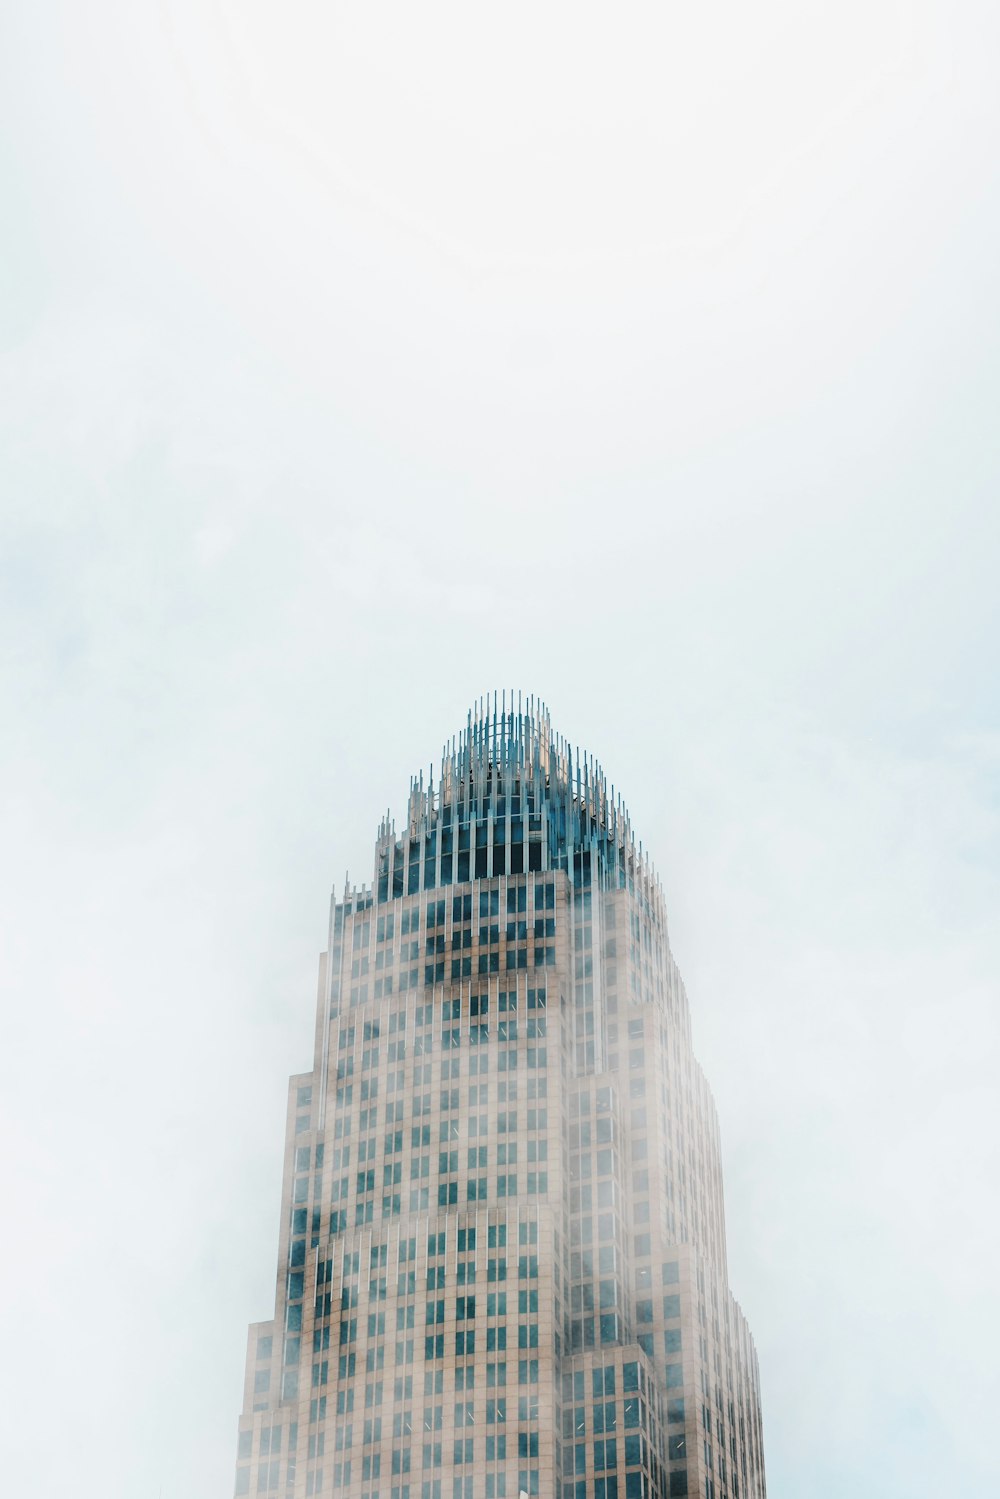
(355, 361)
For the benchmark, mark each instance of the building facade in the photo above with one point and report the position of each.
(502, 1259)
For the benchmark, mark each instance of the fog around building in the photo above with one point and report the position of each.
(358, 361)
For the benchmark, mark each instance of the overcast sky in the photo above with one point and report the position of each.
(356, 360)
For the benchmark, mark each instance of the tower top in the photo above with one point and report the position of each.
(512, 797)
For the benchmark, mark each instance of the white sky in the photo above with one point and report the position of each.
(357, 360)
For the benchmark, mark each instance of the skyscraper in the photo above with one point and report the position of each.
(502, 1257)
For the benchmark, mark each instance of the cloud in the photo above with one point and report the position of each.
(355, 364)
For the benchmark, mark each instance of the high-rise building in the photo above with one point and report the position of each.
(502, 1257)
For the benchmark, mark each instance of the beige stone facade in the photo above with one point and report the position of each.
(502, 1259)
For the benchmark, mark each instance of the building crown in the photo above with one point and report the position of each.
(512, 797)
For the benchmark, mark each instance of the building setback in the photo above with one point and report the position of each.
(502, 1260)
